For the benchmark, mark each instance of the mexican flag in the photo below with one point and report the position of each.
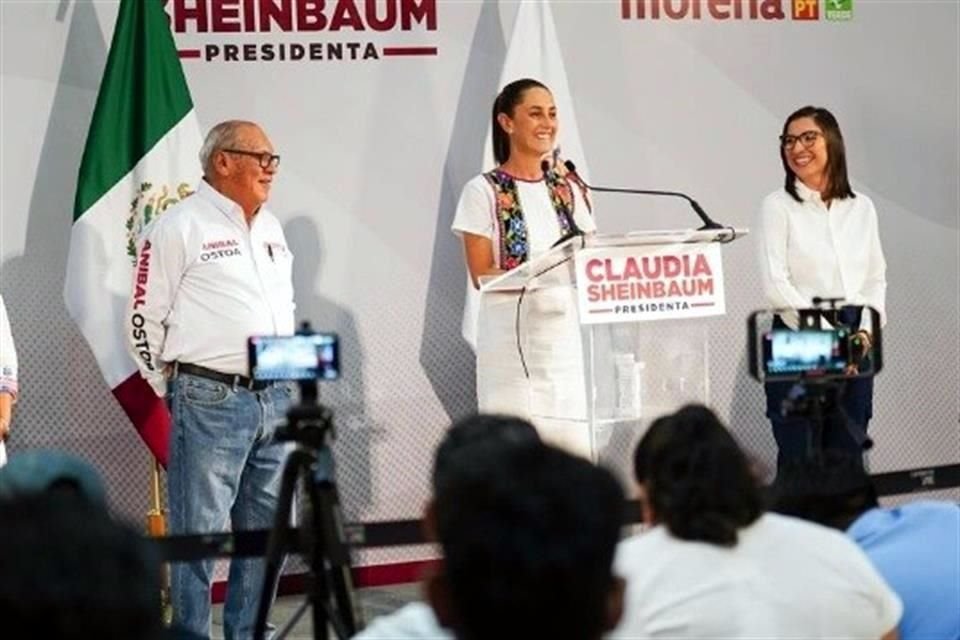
(141, 157)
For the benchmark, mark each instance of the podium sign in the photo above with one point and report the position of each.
(564, 341)
(649, 282)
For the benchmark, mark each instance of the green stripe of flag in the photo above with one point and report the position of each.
(143, 95)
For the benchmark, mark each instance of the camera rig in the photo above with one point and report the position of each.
(815, 353)
(310, 470)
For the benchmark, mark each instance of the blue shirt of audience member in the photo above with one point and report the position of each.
(916, 548)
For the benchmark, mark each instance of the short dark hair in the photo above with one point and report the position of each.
(697, 479)
(505, 102)
(68, 570)
(477, 436)
(832, 489)
(838, 184)
(528, 542)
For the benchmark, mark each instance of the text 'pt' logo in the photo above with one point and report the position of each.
(806, 9)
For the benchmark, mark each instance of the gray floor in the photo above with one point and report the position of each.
(371, 602)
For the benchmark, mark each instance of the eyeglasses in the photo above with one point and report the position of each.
(266, 159)
(807, 138)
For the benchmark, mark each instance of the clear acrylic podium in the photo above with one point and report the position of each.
(589, 388)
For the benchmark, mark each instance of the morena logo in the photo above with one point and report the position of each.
(335, 18)
(700, 9)
(734, 9)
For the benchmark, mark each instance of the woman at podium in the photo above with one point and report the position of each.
(518, 210)
(819, 238)
(505, 218)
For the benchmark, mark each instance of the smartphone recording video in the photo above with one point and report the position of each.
(314, 356)
(807, 353)
(816, 349)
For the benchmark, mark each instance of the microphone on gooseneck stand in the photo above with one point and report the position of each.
(704, 218)
(574, 229)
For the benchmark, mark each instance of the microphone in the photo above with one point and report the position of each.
(574, 229)
(704, 218)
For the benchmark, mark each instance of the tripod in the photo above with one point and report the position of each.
(311, 465)
(818, 400)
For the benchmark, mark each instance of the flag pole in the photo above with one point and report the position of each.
(157, 528)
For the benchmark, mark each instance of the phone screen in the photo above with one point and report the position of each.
(313, 356)
(806, 352)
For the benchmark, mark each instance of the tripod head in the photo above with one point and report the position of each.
(308, 424)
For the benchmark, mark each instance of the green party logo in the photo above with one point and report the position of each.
(838, 9)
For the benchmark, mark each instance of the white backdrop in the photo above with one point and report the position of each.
(374, 155)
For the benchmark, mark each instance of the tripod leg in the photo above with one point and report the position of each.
(277, 542)
(338, 554)
(815, 448)
(329, 556)
(283, 631)
(318, 589)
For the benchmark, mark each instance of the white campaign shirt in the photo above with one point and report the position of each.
(205, 282)
(785, 578)
(807, 250)
(476, 214)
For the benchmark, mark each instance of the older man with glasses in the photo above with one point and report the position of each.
(211, 272)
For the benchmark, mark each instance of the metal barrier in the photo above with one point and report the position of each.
(188, 548)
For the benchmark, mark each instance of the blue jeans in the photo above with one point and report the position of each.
(793, 433)
(224, 474)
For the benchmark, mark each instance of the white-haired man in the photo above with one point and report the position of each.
(212, 271)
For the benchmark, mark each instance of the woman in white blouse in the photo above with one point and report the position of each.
(506, 217)
(8, 379)
(820, 239)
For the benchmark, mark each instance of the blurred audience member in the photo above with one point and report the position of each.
(476, 437)
(67, 569)
(528, 537)
(915, 547)
(37, 471)
(713, 565)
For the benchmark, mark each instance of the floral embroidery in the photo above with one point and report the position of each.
(562, 198)
(512, 227)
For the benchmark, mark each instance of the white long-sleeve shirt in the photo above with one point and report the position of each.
(8, 355)
(205, 282)
(807, 250)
